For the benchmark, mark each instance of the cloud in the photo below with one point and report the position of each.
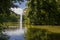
(17, 10)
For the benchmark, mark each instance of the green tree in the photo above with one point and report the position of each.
(43, 12)
(5, 5)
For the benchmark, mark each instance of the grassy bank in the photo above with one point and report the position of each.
(43, 32)
(54, 29)
(10, 24)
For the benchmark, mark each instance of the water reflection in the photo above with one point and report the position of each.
(17, 37)
(17, 34)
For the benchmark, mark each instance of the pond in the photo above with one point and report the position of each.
(16, 34)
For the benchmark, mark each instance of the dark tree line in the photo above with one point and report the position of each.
(44, 12)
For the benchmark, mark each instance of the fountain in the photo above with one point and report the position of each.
(20, 12)
(17, 34)
(21, 21)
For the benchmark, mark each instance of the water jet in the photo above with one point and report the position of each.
(18, 33)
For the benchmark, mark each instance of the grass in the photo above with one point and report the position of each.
(11, 24)
(43, 33)
(53, 29)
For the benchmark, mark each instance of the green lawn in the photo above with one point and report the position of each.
(11, 24)
(54, 29)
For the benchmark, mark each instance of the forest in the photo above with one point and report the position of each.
(42, 18)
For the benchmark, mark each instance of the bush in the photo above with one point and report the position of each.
(41, 34)
(4, 37)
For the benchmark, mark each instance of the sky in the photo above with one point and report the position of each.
(22, 5)
(20, 8)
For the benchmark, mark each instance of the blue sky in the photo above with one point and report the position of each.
(20, 8)
(22, 5)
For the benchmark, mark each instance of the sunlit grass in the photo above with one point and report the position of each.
(11, 24)
(54, 29)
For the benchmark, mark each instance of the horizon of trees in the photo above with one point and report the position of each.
(43, 12)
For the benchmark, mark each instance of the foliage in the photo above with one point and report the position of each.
(6, 4)
(5, 14)
(41, 34)
(13, 18)
(3, 37)
(43, 12)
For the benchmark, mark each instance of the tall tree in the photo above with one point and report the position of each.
(5, 5)
(43, 12)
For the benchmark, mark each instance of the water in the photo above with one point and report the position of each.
(21, 21)
(17, 34)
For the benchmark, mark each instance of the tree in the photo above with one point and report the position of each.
(5, 5)
(43, 12)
